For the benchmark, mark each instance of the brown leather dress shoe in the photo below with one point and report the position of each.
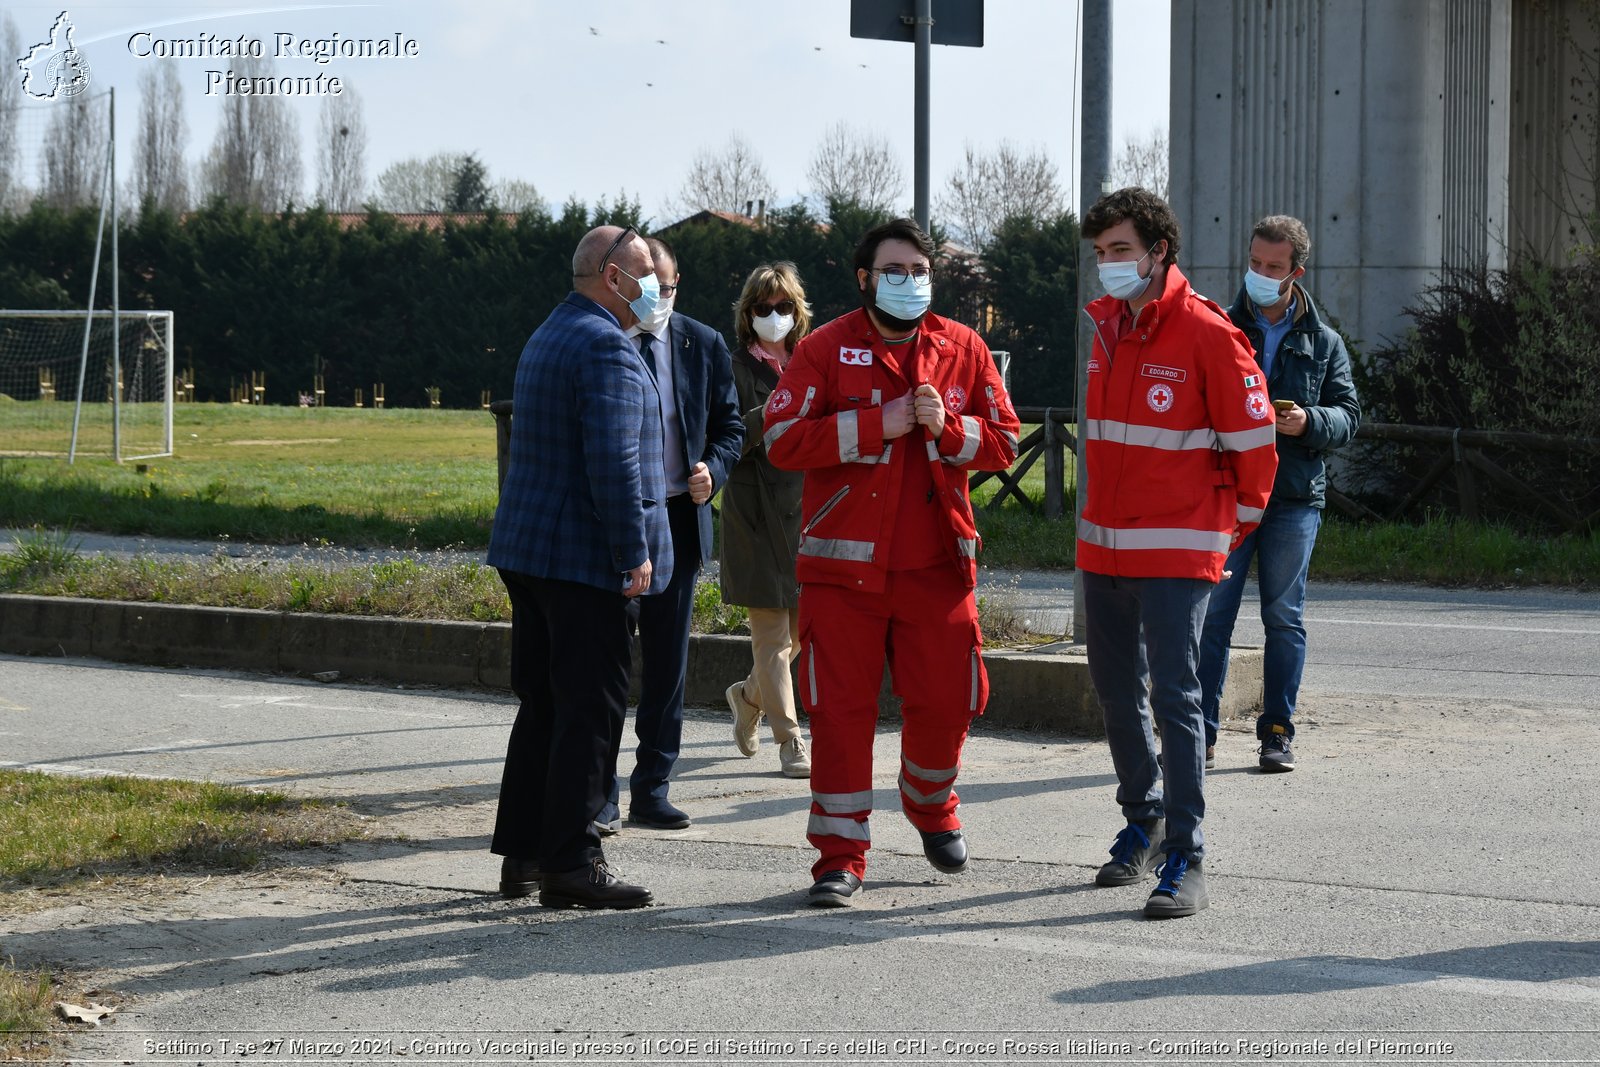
(593, 886)
(518, 878)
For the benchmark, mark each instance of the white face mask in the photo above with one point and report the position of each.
(772, 327)
(658, 318)
(1123, 280)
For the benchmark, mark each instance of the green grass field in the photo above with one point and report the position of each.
(355, 477)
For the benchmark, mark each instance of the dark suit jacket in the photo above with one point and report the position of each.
(708, 407)
(584, 498)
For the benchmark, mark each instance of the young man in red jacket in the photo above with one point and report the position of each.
(1180, 458)
(886, 409)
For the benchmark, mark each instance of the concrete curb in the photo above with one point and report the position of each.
(1042, 689)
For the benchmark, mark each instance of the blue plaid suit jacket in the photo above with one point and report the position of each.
(584, 498)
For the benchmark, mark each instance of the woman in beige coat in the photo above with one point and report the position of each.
(761, 519)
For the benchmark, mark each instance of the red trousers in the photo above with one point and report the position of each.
(925, 623)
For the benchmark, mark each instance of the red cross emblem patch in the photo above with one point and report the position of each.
(1255, 402)
(1159, 397)
(955, 399)
(780, 399)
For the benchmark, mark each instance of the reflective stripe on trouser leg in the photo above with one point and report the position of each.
(938, 673)
(842, 638)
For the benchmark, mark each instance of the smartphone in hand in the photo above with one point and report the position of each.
(1283, 405)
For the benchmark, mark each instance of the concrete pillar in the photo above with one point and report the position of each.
(1383, 125)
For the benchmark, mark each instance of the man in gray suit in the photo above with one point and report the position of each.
(581, 530)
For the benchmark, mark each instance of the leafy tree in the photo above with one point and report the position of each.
(469, 187)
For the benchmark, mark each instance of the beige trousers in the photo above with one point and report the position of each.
(774, 644)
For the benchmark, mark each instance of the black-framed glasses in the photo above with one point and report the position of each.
(765, 308)
(623, 236)
(668, 290)
(898, 275)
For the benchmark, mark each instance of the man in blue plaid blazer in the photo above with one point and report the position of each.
(580, 531)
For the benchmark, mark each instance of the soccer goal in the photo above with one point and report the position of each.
(86, 383)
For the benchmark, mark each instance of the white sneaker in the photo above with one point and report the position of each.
(794, 760)
(746, 717)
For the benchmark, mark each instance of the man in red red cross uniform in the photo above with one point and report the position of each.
(886, 409)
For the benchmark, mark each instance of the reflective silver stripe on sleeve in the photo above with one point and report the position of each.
(881, 457)
(933, 450)
(811, 394)
(973, 437)
(1127, 433)
(849, 436)
(777, 431)
(1011, 439)
(843, 803)
(877, 398)
(938, 796)
(837, 548)
(833, 826)
(1245, 440)
(1250, 514)
(1154, 539)
(967, 546)
(994, 409)
(929, 776)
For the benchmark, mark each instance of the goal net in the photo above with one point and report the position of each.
(112, 397)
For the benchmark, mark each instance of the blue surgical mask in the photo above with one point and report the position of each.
(1262, 290)
(644, 305)
(1123, 280)
(907, 301)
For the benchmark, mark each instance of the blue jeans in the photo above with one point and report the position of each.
(1122, 664)
(1282, 547)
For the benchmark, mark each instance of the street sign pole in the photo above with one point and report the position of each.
(924, 50)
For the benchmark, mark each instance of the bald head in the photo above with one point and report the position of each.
(604, 269)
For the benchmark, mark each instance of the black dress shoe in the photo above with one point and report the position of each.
(835, 889)
(593, 886)
(946, 851)
(518, 878)
(658, 816)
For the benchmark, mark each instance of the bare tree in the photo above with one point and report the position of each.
(10, 119)
(255, 159)
(857, 167)
(342, 153)
(73, 165)
(419, 184)
(514, 196)
(988, 188)
(728, 179)
(160, 174)
(1143, 162)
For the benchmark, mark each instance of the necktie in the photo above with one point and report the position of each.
(645, 353)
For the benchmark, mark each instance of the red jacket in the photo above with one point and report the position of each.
(826, 418)
(1181, 445)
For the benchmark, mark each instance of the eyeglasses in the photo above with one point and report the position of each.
(898, 275)
(763, 309)
(668, 290)
(623, 236)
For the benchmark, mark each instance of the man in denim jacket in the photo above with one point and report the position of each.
(1307, 373)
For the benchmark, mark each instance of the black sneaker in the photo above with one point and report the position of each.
(1134, 853)
(1181, 891)
(1276, 755)
(835, 889)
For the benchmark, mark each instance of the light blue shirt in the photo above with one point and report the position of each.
(1272, 335)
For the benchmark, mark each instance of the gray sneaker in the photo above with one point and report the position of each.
(1181, 891)
(1134, 853)
(792, 758)
(1276, 755)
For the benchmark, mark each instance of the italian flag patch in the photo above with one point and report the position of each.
(1252, 380)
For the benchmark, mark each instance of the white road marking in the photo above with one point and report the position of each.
(1455, 626)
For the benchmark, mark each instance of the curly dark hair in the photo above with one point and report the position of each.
(1152, 218)
(895, 230)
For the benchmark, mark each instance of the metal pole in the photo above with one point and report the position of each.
(1094, 172)
(924, 50)
(116, 297)
(88, 321)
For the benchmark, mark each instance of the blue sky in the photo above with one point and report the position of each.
(583, 98)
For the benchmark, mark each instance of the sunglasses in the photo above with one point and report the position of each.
(623, 236)
(763, 309)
